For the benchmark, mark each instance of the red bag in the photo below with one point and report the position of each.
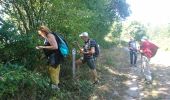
(149, 49)
(153, 49)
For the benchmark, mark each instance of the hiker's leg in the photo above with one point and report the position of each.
(145, 64)
(148, 66)
(94, 75)
(149, 78)
(147, 73)
(78, 63)
(91, 64)
(54, 74)
(131, 57)
(135, 57)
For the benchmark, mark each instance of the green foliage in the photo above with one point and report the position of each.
(160, 36)
(136, 29)
(117, 29)
(17, 82)
(18, 38)
(18, 48)
(69, 17)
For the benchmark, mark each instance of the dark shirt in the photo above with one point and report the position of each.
(87, 47)
(54, 57)
(48, 52)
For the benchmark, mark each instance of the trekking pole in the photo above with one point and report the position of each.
(142, 69)
(73, 62)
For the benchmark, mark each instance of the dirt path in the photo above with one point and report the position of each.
(119, 81)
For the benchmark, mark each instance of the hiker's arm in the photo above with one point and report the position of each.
(92, 47)
(129, 46)
(53, 43)
(91, 51)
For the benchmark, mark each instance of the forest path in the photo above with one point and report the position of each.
(120, 81)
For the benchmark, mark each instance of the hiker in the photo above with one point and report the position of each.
(148, 50)
(88, 51)
(51, 51)
(133, 47)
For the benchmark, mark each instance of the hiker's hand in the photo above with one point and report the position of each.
(39, 47)
(81, 50)
(141, 51)
(130, 48)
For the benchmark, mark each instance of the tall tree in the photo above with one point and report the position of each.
(67, 16)
(136, 30)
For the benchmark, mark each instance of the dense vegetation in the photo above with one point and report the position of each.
(158, 34)
(23, 72)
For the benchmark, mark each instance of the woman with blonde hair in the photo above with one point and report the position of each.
(51, 51)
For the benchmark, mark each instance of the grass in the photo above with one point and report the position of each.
(111, 81)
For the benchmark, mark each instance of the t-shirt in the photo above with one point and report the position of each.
(133, 45)
(88, 45)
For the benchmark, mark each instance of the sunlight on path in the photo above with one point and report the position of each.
(161, 58)
(119, 81)
(160, 87)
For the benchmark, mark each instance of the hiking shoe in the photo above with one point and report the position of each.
(55, 87)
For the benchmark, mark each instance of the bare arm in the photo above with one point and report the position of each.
(91, 51)
(53, 43)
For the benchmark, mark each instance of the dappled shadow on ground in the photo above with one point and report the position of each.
(119, 81)
(111, 86)
(114, 71)
(160, 87)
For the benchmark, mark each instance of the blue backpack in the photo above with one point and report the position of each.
(62, 45)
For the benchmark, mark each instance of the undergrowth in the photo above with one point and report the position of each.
(18, 83)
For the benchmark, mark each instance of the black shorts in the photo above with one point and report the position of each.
(90, 62)
(54, 60)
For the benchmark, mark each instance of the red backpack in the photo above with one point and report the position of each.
(153, 49)
(149, 49)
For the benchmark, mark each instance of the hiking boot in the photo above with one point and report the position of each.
(55, 87)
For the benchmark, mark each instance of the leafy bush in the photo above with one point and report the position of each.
(16, 82)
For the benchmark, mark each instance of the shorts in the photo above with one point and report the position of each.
(53, 60)
(90, 62)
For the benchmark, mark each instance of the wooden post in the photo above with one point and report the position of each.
(73, 62)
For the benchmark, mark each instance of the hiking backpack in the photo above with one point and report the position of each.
(150, 49)
(97, 48)
(154, 48)
(62, 45)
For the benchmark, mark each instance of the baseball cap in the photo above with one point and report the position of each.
(84, 34)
